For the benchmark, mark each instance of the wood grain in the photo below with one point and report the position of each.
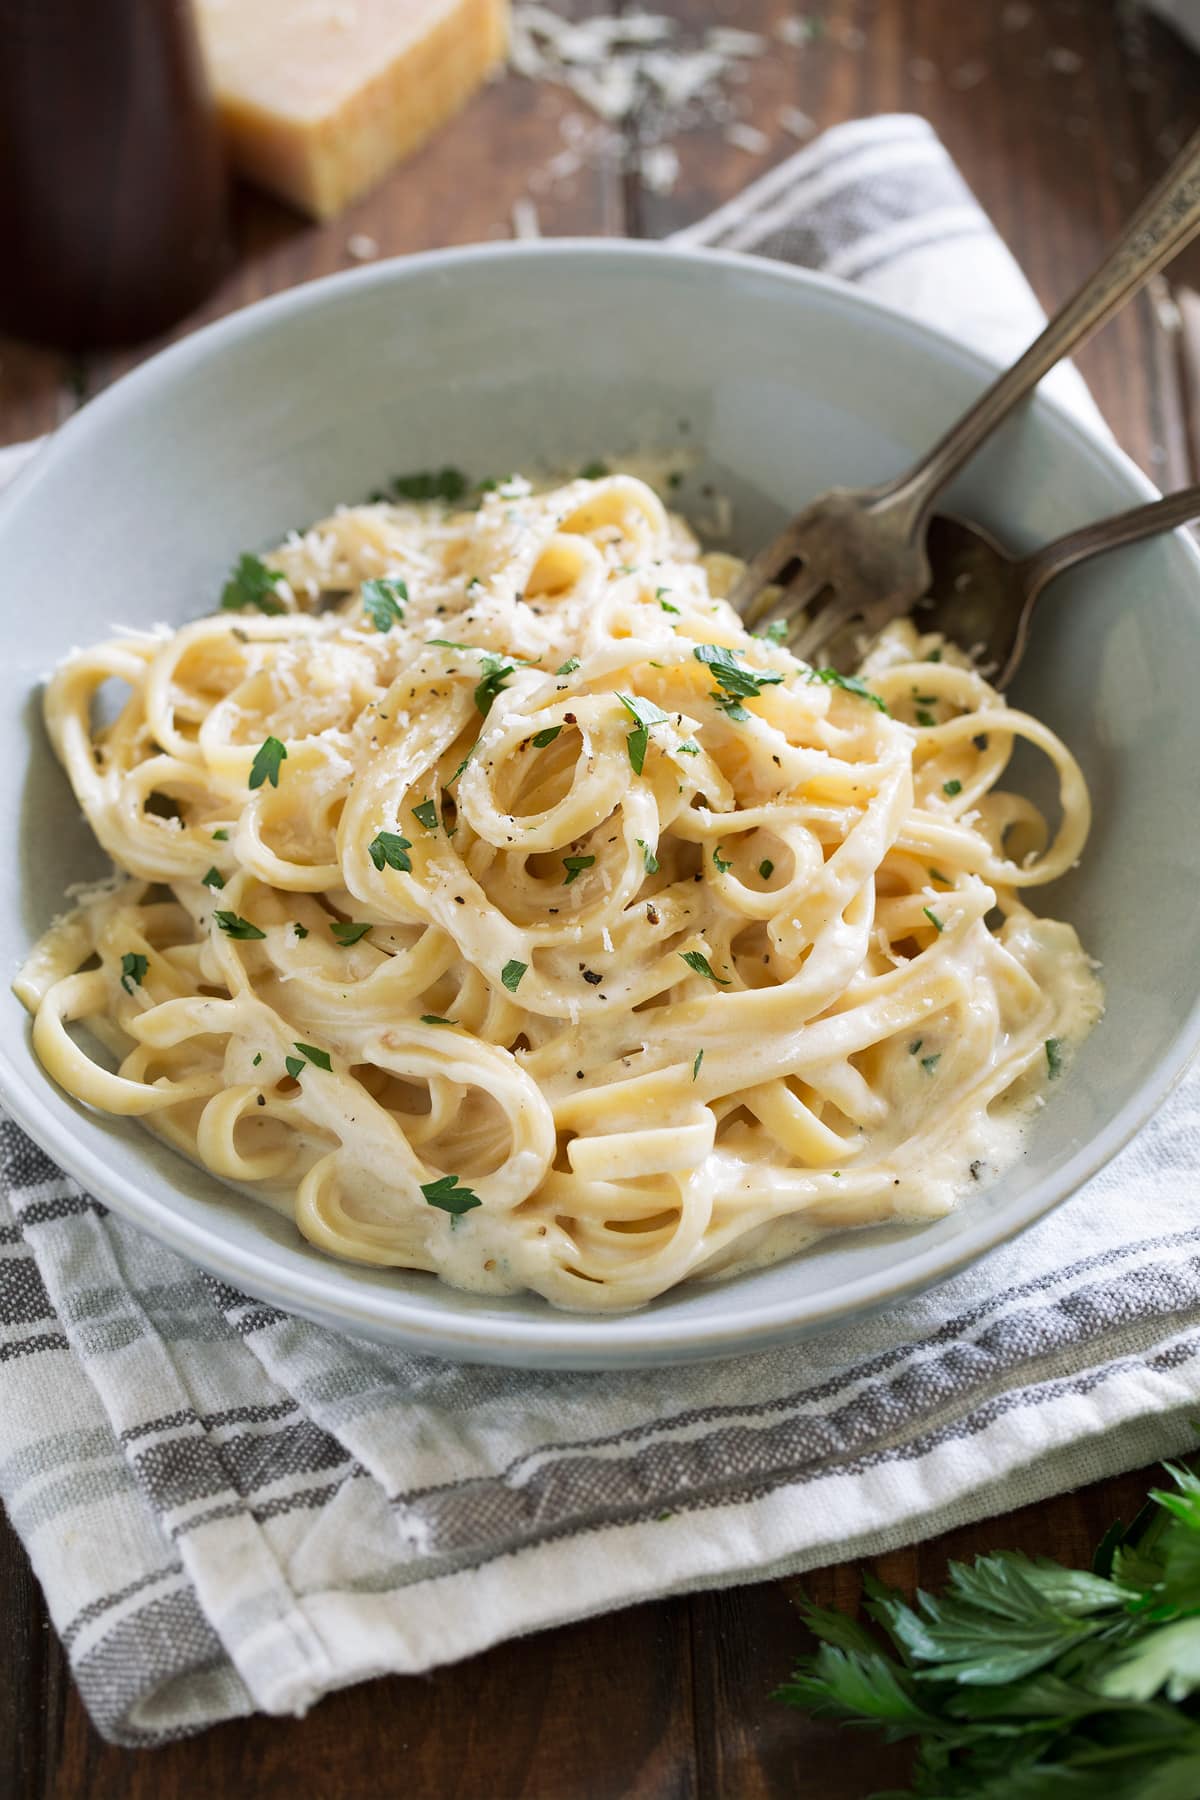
(1059, 119)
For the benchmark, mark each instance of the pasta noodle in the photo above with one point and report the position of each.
(494, 904)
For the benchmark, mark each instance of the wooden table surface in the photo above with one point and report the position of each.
(1060, 113)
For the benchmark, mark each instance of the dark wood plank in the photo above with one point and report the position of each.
(1059, 124)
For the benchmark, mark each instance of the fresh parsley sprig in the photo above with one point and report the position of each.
(1025, 1680)
(735, 682)
(850, 684)
(252, 583)
(383, 599)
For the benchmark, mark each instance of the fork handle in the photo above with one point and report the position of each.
(1162, 225)
(1130, 527)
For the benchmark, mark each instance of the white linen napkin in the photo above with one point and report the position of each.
(230, 1508)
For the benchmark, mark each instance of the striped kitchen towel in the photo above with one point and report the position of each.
(230, 1508)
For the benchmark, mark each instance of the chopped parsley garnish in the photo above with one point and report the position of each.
(318, 1058)
(221, 837)
(575, 865)
(687, 748)
(546, 737)
(252, 584)
(593, 471)
(735, 682)
(649, 860)
(1054, 1059)
(915, 1046)
(938, 876)
(495, 676)
(934, 656)
(952, 787)
(431, 484)
(766, 868)
(426, 814)
(348, 932)
(294, 1066)
(646, 714)
(257, 1059)
(719, 861)
(301, 931)
(462, 765)
(133, 970)
(388, 848)
(447, 1193)
(850, 683)
(666, 605)
(267, 759)
(696, 1064)
(234, 926)
(382, 598)
(925, 718)
(569, 667)
(700, 965)
(933, 918)
(213, 879)
(511, 975)
(447, 644)
(776, 631)
(930, 1063)
(436, 1019)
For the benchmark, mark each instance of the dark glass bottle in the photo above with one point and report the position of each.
(112, 184)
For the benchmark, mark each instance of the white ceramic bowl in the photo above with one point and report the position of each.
(550, 355)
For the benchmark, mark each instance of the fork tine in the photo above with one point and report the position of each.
(763, 570)
(794, 600)
(821, 630)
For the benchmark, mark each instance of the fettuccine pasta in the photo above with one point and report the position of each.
(497, 906)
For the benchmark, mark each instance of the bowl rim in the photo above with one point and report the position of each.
(557, 1338)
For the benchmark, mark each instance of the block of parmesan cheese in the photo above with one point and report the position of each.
(320, 97)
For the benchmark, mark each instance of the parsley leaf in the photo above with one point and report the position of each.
(426, 814)
(925, 718)
(719, 860)
(387, 847)
(133, 970)
(666, 605)
(776, 631)
(649, 860)
(546, 737)
(930, 1063)
(700, 965)
(294, 1066)
(511, 975)
(696, 1064)
(436, 1019)
(766, 868)
(447, 1193)
(252, 583)
(431, 484)
(575, 865)
(301, 931)
(213, 879)
(646, 714)
(348, 933)
(593, 471)
(687, 748)
(736, 682)
(851, 685)
(381, 598)
(952, 787)
(1054, 1059)
(318, 1058)
(221, 837)
(267, 759)
(495, 676)
(234, 926)
(569, 667)
(933, 919)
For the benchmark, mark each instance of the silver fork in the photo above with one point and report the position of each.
(855, 558)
